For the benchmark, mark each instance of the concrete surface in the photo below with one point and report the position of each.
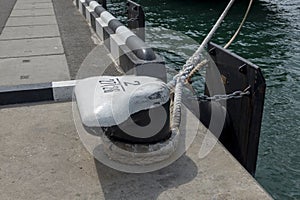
(98, 62)
(75, 34)
(31, 49)
(39, 69)
(35, 1)
(43, 158)
(32, 12)
(30, 21)
(21, 5)
(29, 32)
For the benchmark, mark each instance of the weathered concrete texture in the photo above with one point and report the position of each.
(75, 34)
(30, 21)
(23, 5)
(36, 1)
(30, 47)
(32, 12)
(26, 32)
(40, 69)
(43, 158)
(98, 62)
(31, 50)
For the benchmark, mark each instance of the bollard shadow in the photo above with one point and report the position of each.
(148, 186)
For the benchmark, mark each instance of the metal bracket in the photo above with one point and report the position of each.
(136, 19)
(243, 69)
(102, 3)
(241, 131)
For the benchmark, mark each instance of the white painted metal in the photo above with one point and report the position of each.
(94, 4)
(100, 24)
(124, 33)
(110, 100)
(63, 90)
(107, 17)
(115, 43)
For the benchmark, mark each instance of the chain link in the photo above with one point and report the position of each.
(132, 19)
(220, 97)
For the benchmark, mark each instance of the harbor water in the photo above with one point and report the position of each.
(270, 38)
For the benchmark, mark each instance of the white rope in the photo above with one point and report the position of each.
(161, 151)
(196, 57)
(195, 69)
(177, 104)
(240, 27)
(192, 63)
(204, 62)
(147, 154)
(135, 154)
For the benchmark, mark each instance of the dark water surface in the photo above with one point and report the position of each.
(270, 39)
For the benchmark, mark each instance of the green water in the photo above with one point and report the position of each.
(270, 39)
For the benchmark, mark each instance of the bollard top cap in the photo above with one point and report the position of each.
(110, 100)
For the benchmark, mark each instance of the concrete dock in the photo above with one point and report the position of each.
(43, 158)
(41, 155)
(31, 49)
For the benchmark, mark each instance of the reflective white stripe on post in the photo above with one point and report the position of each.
(99, 28)
(115, 43)
(80, 6)
(94, 4)
(106, 17)
(63, 90)
(88, 11)
(124, 33)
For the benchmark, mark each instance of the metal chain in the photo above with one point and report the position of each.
(132, 19)
(219, 97)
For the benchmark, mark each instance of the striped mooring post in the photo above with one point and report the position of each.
(129, 51)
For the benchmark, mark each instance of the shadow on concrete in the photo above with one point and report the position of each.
(75, 34)
(5, 10)
(97, 63)
(120, 185)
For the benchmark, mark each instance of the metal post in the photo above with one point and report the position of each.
(136, 19)
(102, 3)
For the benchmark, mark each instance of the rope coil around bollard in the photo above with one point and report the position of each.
(191, 64)
(162, 151)
(159, 151)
